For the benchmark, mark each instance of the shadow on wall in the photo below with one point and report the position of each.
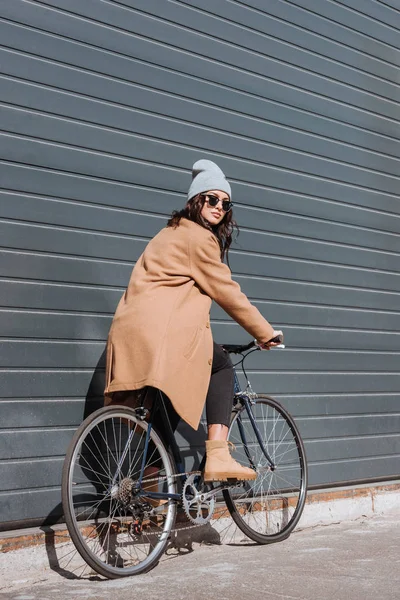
(94, 400)
(94, 395)
(192, 447)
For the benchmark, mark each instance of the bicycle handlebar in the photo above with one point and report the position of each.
(239, 348)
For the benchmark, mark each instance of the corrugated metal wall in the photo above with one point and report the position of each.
(104, 107)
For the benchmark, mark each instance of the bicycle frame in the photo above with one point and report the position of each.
(240, 396)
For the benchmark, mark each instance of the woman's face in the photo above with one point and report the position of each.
(214, 214)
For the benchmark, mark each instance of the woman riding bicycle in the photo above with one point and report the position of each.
(160, 335)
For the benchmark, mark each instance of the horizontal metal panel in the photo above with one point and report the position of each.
(34, 443)
(237, 130)
(55, 240)
(358, 447)
(380, 14)
(51, 355)
(351, 19)
(59, 383)
(113, 115)
(89, 190)
(69, 412)
(50, 296)
(82, 327)
(100, 164)
(56, 441)
(287, 23)
(55, 325)
(115, 274)
(30, 475)
(312, 157)
(119, 67)
(237, 19)
(301, 336)
(303, 249)
(51, 384)
(81, 216)
(86, 355)
(313, 315)
(122, 195)
(355, 470)
(60, 412)
(20, 505)
(82, 136)
(77, 243)
(21, 324)
(102, 299)
(324, 383)
(302, 14)
(197, 49)
(283, 223)
(312, 271)
(30, 324)
(67, 269)
(347, 428)
(277, 288)
(360, 403)
(130, 222)
(338, 439)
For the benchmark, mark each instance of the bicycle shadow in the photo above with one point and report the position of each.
(54, 533)
(59, 549)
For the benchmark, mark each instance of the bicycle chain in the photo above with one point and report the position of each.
(187, 474)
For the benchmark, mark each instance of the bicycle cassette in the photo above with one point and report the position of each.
(197, 501)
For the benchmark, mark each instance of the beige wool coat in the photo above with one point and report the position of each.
(160, 335)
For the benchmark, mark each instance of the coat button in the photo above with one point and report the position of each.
(208, 325)
(210, 361)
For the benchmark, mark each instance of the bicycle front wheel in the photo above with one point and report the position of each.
(268, 508)
(115, 528)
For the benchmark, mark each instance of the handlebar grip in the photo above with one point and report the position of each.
(278, 339)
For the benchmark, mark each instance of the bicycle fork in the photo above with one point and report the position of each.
(247, 404)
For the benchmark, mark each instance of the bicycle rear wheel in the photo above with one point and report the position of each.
(268, 508)
(117, 531)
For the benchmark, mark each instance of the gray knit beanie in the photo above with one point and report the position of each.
(206, 176)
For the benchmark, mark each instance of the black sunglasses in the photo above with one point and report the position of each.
(213, 201)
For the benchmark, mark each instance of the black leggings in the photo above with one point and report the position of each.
(219, 398)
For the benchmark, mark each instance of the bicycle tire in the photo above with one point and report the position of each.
(269, 508)
(105, 450)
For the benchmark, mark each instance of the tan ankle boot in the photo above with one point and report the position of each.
(220, 465)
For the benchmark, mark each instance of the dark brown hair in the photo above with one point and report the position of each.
(223, 231)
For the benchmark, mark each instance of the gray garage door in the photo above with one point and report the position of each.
(104, 107)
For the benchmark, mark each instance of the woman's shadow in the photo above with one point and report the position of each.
(52, 527)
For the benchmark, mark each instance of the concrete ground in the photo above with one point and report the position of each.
(354, 560)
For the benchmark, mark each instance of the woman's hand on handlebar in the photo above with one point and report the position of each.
(276, 340)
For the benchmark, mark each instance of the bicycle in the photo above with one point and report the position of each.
(119, 480)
